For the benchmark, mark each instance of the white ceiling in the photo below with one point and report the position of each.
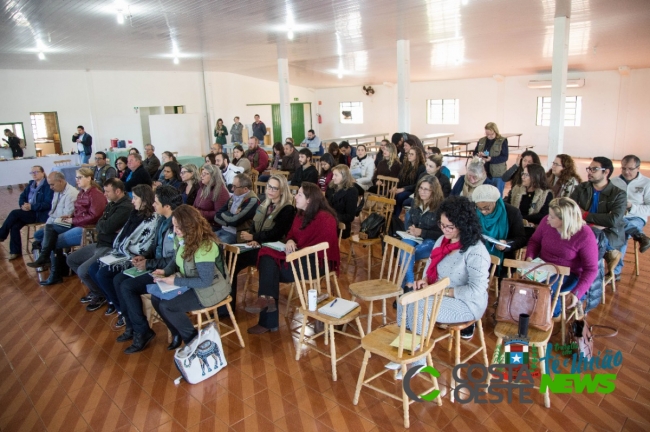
(356, 40)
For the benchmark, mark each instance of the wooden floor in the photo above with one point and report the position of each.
(61, 370)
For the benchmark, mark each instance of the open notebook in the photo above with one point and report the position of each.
(338, 308)
(407, 236)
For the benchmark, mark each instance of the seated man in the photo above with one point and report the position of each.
(137, 175)
(306, 172)
(346, 151)
(228, 170)
(130, 289)
(35, 202)
(109, 224)
(290, 161)
(603, 206)
(637, 187)
(256, 155)
(151, 163)
(312, 142)
(216, 148)
(103, 169)
(237, 214)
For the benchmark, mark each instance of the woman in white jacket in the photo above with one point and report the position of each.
(362, 168)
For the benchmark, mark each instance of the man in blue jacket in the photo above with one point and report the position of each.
(35, 202)
(84, 144)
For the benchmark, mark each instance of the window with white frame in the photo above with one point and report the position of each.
(572, 111)
(442, 111)
(351, 112)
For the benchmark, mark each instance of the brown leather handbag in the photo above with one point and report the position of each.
(582, 334)
(523, 296)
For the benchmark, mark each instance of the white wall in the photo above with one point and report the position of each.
(615, 109)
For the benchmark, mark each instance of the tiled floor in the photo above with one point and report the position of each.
(61, 369)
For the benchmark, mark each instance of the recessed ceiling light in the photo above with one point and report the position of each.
(290, 35)
(41, 56)
(120, 17)
(176, 61)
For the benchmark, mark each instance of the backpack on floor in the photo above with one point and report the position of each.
(201, 358)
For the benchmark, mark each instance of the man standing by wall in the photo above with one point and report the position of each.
(637, 187)
(259, 129)
(84, 144)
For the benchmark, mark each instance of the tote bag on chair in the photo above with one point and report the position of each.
(201, 358)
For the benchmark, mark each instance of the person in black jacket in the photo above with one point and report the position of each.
(137, 175)
(84, 144)
(115, 215)
(412, 170)
(343, 196)
(306, 172)
(433, 165)
(272, 221)
(129, 290)
(14, 143)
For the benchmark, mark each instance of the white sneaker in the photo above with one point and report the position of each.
(393, 366)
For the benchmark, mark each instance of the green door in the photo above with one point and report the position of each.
(297, 123)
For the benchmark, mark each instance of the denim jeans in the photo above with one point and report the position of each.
(128, 292)
(68, 237)
(500, 184)
(399, 199)
(226, 237)
(12, 225)
(633, 226)
(422, 250)
(568, 284)
(103, 278)
(85, 157)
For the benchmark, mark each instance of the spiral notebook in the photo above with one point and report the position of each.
(338, 308)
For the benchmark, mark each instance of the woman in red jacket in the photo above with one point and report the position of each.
(314, 223)
(66, 231)
(212, 194)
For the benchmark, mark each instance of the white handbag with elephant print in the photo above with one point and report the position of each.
(201, 358)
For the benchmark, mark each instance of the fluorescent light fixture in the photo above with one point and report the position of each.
(120, 17)
(41, 56)
(546, 84)
(340, 75)
(290, 35)
(176, 61)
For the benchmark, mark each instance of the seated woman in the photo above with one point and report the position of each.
(276, 163)
(388, 166)
(136, 238)
(342, 196)
(514, 172)
(411, 172)
(122, 168)
(272, 221)
(531, 197)
(166, 157)
(335, 151)
(212, 194)
(325, 171)
(239, 159)
(435, 151)
(171, 175)
(434, 168)
(500, 221)
(315, 223)
(35, 202)
(210, 158)
(564, 239)
(190, 185)
(563, 177)
(475, 177)
(194, 268)
(362, 169)
(460, 255)
(88, 208)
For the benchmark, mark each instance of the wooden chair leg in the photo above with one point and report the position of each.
(602, 299)
(362, 375)
(495, 357)
(383, 311)
(456, 338)
(481, 337)
(542, 366)
(369, 260)
(370, 316)
(405, 401)
(332, 352)
(434, 380)
(286, 312)
(301, 340)
(636, 257)
(234, 324)
(350, 253)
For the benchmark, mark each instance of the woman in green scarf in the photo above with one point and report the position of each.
(500, 221)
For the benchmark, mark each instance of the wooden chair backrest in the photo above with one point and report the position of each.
(527, 265)
(303, 277)
(260, 188)
(283, 173)
(254, 175)
(231, 253)
(294, 190)
(495, 261)
(384, 207)
(387, 183)
(431, 294)
(396, 259)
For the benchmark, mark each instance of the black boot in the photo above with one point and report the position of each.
(140, 342)
(55, 270)
(49, 242)
(176, 342)
(126, 336)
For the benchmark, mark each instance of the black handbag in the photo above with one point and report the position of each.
(372, 226)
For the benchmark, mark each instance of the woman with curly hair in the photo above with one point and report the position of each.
(531, 197)
(460, 255)
(193, 268)
(562, 177)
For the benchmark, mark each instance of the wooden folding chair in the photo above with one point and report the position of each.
(282, 173)
(31, 229)
(304, 280)
(379, 342)
(254, 175)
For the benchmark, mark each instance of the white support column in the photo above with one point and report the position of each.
(285, 102)
(403, 86)
(558, 87)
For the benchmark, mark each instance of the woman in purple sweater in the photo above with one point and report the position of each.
(563, 238)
